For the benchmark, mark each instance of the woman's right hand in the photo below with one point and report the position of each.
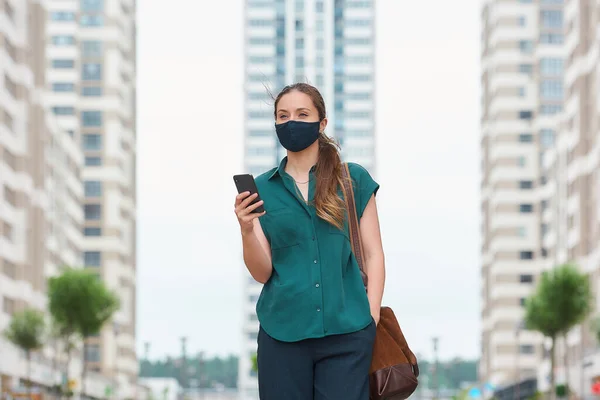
(244, 213)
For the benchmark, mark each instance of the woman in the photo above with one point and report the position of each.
(317, 322)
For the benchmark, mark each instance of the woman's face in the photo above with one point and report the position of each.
(297, 106)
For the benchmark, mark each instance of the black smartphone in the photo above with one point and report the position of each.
(245, 183)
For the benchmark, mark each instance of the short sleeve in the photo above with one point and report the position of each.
(364, 187)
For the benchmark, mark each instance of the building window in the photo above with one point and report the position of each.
(260, 59)
(63, 40)
(525, 115)
(62, 16)
(91, 91)
(92, 258)
(257, 41)
(522, 231)
(63, 87)
(92, 231)
(526, 69)
(526, 349)
(93, 188)
(526, 255)
(522, 21)
(92, 353)
(526, 138)
(358, 23)
(550, 109)
(252, 335)
(92, 5)
(87, 20)
(359, 60)
(91, 72)
(525, 184)
(92, 142)
(521, 161)
(93, 212)
(552, 19)
(260, 22)
(522, 301)
(551, 89)
(526, 46)
(63, 64)
(526, 208)
(91, 48)
(551, 66)
(63, 110)
(260, 114)
(551, 38)
(547, 137)
(253, 298)
(259, 133)
(93, 161)
(526, 278)
(91, 118)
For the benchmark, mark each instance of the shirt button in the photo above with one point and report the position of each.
(315, 261)
(318, 309)
(313, 238)
(317, 285)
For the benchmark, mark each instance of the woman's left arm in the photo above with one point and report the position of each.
(374, 259)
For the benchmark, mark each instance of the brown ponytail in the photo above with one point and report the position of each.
(328, 203)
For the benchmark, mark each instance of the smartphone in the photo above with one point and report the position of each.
(245, 183)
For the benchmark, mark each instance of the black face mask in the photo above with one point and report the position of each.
(296, 136)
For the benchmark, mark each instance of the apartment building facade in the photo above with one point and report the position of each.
(330, 44)
(41, 218)
(91, 70)
(67, 172)
(571, 198)
(522, 97)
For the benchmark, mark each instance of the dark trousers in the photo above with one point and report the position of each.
(331, 368)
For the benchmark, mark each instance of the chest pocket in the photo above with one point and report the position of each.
(286, 228)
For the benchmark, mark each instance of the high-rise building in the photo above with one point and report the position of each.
(330, 44)
(41, 192)
(571, 198)
(91, 70)
(522, 97)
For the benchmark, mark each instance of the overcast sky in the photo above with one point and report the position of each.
(190, 115)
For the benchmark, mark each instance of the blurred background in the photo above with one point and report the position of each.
(123, 121)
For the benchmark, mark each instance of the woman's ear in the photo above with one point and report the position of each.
(323, 125)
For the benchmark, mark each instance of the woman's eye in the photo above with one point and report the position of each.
(304, 115)
(282, 116)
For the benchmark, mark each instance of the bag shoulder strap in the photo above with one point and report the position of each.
(353, 224)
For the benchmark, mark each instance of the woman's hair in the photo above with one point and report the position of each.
(328, 203)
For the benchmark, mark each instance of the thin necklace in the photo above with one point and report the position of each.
(301, 183)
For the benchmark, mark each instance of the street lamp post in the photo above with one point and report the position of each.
(436, 381)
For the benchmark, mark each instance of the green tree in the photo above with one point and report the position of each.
(578, 307)
(80, 303)
(254, 363)
(561, 300)
(26, 331)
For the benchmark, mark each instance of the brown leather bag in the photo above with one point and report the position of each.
(394, 369)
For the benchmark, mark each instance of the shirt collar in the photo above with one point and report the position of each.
(280, 170)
